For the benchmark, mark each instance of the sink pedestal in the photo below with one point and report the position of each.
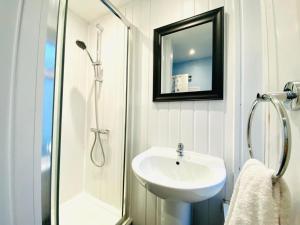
(176, 213)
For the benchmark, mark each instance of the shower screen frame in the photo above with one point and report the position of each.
(57, 113)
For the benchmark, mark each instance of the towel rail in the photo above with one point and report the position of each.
(289, 98)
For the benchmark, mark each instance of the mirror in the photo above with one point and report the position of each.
(188, 59)
(187, 66)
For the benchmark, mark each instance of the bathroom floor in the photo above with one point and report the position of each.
(87, 210)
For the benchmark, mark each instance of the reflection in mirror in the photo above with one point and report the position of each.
(187, 60)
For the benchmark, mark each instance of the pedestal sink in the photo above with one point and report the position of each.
(179, 180)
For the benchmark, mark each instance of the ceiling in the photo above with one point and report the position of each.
(90, 10)
(197, 39)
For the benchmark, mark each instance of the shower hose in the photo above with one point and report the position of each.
(97, 132)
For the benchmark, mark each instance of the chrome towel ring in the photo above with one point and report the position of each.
(290, 97)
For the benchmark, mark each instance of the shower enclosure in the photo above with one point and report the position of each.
(89, 157)
(98, 80)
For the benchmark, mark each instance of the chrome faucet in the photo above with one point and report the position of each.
(179, 150)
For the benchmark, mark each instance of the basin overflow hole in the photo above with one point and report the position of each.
(177, 163)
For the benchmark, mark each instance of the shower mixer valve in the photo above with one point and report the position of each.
(100, 131)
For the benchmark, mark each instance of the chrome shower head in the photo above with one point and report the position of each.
(81, 44)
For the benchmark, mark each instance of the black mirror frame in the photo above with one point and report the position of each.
(215, 16)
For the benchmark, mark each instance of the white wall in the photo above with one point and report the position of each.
(252, 80)
(282, 23)
(275, 43)
(73, 130)
(25, 27)
(106, 183)
(207, 127)
(9, 23)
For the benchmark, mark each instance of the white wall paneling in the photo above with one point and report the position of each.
(73, 110)
(25, 85)
(106, 183)
(11, 12)
(24, 38)
(27, 115)
(276, 53)
(283, 41)
(252, 69)
(206, 127)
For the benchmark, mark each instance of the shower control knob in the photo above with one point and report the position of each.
(104, 131)
(179, 150)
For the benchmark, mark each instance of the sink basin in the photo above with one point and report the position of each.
(192, 178)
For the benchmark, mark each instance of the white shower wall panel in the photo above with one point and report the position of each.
(277, 53)
(73, 110)
(106, 183)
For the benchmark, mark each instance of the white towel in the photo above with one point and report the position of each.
(256, 200)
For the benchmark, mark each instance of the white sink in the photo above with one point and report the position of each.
(197, 177)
